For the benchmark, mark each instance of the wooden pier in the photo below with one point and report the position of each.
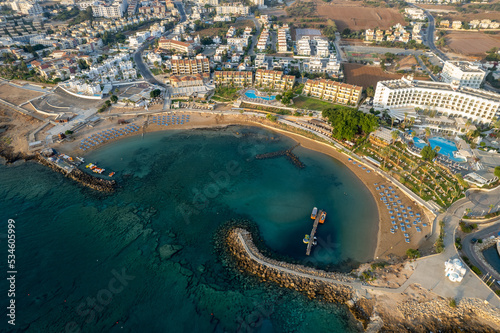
(313, 232)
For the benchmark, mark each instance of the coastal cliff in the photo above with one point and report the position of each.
(414, 310)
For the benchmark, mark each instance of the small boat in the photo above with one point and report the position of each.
(322, 218)
(80, 159)
(314, 213)
(306, 239)
(111, 174)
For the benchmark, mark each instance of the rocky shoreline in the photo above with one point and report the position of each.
(414, 310)
(76, 174)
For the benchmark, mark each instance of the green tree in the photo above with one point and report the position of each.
(155, 93)
(413, 253)
(428, 153)
(113, 99)
(370, 92)
(348, 122)
(497, 171)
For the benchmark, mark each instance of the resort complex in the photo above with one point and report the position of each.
(224, 167)
(450, 99)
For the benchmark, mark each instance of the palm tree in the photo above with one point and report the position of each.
(491, 207)
(385, 153)
(427, 132)
(404, 122)
(392, 122)
(395, 136)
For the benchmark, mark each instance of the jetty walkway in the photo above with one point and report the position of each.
(313, 232)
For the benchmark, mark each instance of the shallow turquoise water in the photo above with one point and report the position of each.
(177, 188)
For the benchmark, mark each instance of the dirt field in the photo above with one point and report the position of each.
(407, 62)
(16, 95)
(355, 17)
(471, 43)
(215, 31)
(449, 13)
(365, 76)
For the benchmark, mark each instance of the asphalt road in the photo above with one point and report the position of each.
(143, 68)
(430, 34)
(181, 10)
(467, 248)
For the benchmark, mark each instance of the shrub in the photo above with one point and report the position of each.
(453, 303)
(476, 270)
(413, 253)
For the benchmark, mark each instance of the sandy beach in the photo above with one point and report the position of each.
(388, 245)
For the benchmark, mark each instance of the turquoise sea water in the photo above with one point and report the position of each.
(91, 262)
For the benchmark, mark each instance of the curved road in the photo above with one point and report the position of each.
(430, 34)
(467, 248)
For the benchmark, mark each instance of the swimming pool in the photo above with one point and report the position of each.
(447, 146)
(251, 94)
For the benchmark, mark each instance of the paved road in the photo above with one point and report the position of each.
(255, 36)
(430, 34)
(143, 68)
(467, 247)
(180, 8)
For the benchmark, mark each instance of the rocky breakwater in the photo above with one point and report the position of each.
(79, 176)
(322, 285)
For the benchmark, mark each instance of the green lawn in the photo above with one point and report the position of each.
(303, 102)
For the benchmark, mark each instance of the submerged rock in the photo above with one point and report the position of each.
(168, 250)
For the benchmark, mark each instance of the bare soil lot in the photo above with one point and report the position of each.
(16, 95)
(215, 31)
(471, 43)
(365, 76)
(355, 17)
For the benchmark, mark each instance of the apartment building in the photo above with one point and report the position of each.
(450, 99)
(259, 3)
(303, 46)
(237, 9)
(27, 8)
(263, 39)
(414, 13)
(322, 48)
(116, 9)
(236, 79)
(190, 66)
(333, 91)
(274, 79)
(282, 44)
(174, 45)
(464, 72)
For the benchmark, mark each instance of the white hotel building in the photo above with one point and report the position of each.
(449, 99)
(466, 73)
